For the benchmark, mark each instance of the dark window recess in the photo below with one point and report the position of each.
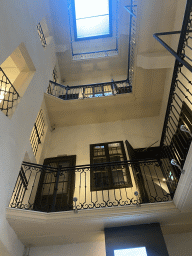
(121, 90)
(112, 175)
(37, 132)
(70, 96)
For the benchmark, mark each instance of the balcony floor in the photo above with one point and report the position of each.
(40, 229)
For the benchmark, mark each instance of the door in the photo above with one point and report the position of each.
(56, 186)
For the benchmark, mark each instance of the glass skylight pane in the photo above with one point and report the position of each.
(89, 8)
(94, 26)
(141, 251)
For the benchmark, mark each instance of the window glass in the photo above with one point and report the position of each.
(92, 18)
(141, 251)
(110, 176)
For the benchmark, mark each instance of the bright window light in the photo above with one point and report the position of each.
(141, 251)
(92, 18)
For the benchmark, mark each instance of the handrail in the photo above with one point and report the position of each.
(129, 162)
(45, 188)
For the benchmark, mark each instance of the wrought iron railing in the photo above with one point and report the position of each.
(132, 9)
(8, 94)
(174, 141)
(88, 91)
(37, 132)
(41, 35)
(45, 188)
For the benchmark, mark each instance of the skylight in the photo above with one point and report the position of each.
(92, 19)
(141, 251)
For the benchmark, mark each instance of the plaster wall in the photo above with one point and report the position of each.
(18, 20)
(75, 140)
(96, 248)
(179, 244)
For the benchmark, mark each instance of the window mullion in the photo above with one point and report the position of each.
(108, 167)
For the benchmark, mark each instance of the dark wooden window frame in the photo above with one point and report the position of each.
(109, 169)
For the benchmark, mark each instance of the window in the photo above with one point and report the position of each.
(109, 176)
(92, 19)
(141, 251)
(16, 73)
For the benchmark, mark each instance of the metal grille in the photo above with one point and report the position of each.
(88, 91)
(8, 94)
(132, 9)
(174, 141)
(37, 132)
(150, 184)
(41, 35)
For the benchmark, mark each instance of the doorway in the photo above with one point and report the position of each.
(56, 185)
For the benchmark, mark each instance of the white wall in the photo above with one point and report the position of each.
(75, 140)
(82, 249)
(179, 244)
(18, 20)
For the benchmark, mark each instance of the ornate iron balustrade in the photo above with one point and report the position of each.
(174, 141)
(88, 91)
(41, 35)
(45, 188)
(8, 94)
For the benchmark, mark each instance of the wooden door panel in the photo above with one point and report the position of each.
(56, 188)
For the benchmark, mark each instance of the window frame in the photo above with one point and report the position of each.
(91, 37)
(109, 170)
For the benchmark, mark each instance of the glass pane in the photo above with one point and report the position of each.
(101, 179)
(89, 8)
(99, 160)
(119, 176)
(94, 26)
(141, 251)
(99, 151)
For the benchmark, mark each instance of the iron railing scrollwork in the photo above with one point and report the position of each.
(45, 188)
(8, 94)
(174, 142)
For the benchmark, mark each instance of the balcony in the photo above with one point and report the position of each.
(88, 91)
(48, 189)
